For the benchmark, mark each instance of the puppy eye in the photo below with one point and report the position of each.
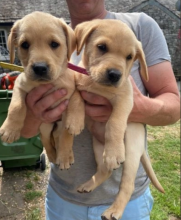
(102, 47)
(129, 57)
(25, 45)
(54, 44)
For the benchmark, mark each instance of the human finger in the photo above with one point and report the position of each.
(37, 93)
(47, 101)
(55, 113)
(100, 113)
(94, 98)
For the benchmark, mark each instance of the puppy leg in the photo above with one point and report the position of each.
(75, 114)
(134, 134)
(102, 173)
(10, 131)
(114, 151)
(64, 143)
(48, 141)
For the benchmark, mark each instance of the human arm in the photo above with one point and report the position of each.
(162, 107)
(38, 109)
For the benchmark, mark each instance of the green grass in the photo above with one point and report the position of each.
(36, 177)
(34, 214)
(28, 174)
(31, 195)
(164, 150)
(29, 185)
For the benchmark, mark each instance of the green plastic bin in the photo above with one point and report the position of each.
(24, 152)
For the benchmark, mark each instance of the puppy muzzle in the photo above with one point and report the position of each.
(41, 71)
(113, 76)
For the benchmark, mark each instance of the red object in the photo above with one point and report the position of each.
(7, 80)
(77, 68)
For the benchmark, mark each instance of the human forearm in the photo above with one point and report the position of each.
(162, 107)
(159, 111)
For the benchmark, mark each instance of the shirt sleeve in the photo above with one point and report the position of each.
(153, 40)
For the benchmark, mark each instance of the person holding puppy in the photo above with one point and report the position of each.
(156, 103)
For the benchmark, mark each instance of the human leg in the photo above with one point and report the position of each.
(137, 209)
(59, 209)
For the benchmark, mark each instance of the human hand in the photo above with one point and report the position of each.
(38, 108)
(99, 110)
(97, 107)
(137, 113)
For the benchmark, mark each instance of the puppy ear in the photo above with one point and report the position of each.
(82, 32)
(70, 38)
(141, 57)
(12, 40)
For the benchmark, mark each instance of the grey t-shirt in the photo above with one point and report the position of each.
(66, 182)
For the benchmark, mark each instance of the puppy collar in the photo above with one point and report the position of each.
(77, 68)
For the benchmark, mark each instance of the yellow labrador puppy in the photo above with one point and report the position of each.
(45, 44)
(110, 50)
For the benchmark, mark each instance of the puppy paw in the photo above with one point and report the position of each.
(9, 136)
(52, 158)
(113, 159)
(112, 213)
(74, 125)
(64, 160)
(86, 187)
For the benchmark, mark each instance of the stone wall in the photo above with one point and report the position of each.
(166, 16)
(170, 28)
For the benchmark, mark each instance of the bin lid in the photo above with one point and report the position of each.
(6, 94)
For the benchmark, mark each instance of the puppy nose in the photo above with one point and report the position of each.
(113, 75)
(40, 69)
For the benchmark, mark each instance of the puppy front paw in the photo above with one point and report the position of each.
(64, 160)
(113, 212)
(74, 125)
(9, 135)
(113, 159)
(87, 187)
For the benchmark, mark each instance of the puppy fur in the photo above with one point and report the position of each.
(44, 44)
(110, 50)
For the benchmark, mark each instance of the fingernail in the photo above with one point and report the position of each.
(66, 102)
(63, 91)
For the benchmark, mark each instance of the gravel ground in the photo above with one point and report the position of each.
(22, 193)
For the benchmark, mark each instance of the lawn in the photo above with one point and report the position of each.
(164, 150)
